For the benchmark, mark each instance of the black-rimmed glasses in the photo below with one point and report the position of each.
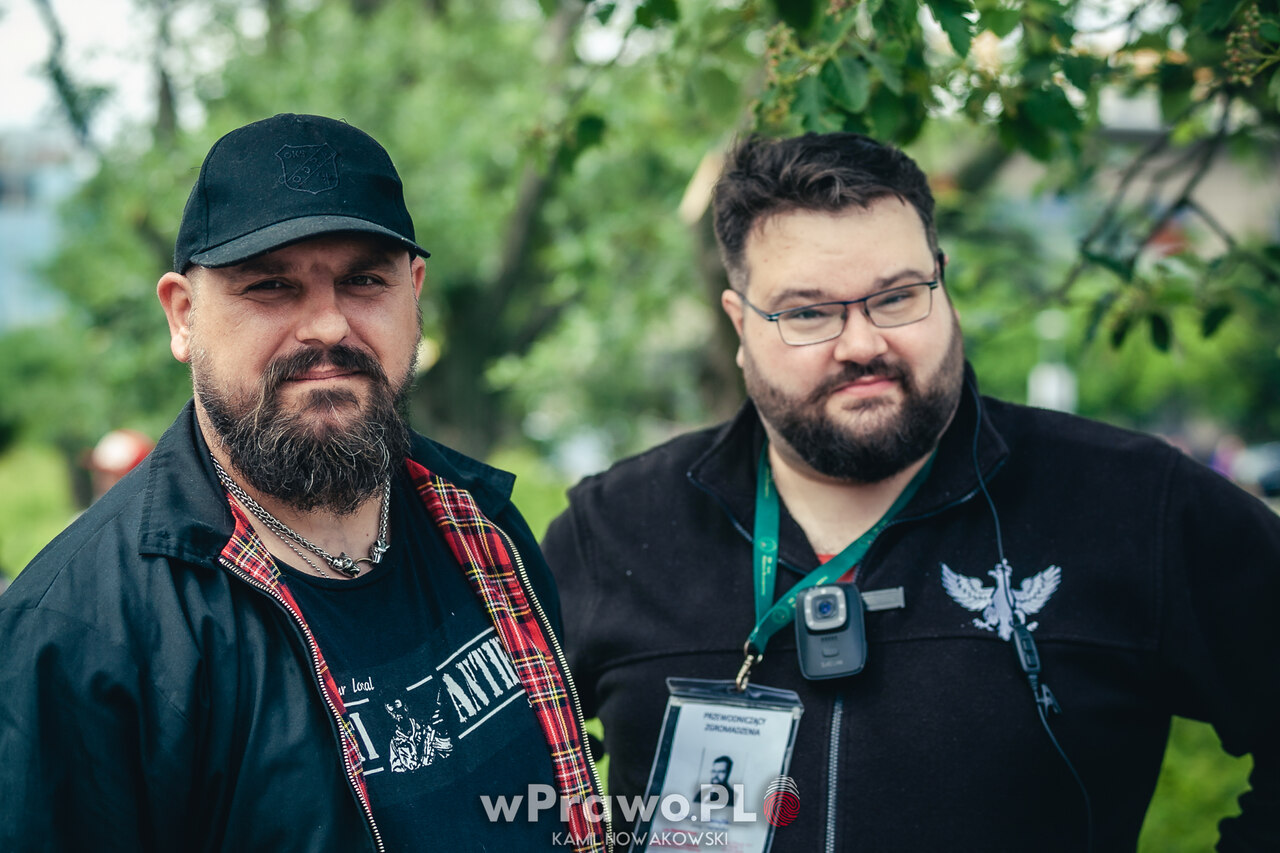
(824, 321)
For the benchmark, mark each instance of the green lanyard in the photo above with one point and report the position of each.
(772, 617)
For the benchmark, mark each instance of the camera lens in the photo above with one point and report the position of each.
(824, 609)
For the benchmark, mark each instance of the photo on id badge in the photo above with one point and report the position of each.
(719, 752)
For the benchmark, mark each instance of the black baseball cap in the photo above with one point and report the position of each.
(285, 179)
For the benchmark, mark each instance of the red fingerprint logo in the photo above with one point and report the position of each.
(782, 801)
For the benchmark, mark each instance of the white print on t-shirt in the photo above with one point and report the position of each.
(999, 608)
(415, 745)
(423, 722)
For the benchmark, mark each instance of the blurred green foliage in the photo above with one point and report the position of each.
(35, 504)
(555, 156)
(1198, 787)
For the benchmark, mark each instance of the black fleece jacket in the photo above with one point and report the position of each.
(1169, 584)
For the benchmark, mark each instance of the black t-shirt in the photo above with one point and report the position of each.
(439, 713)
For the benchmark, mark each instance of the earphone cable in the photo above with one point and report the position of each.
(1024, 644)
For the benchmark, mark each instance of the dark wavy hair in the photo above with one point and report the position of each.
(827, 172)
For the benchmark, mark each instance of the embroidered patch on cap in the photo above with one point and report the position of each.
(309, 168)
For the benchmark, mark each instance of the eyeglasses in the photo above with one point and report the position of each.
(888, 309)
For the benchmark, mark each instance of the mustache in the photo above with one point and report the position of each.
(281, 370)
(851, 371)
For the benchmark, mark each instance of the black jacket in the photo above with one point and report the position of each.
(1169, 580)
(151, 700)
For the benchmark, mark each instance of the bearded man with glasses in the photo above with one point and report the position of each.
(995, 549)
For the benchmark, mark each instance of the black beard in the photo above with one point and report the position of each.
(280, 454)
(878, 452)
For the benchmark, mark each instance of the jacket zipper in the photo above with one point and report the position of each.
(837, 707)
(833, 759)
(314, 650)
(563, 663)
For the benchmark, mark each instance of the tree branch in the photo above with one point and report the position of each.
(1108, 215)
(166, 127)
(537, 325)
(1207, 155)
(1213, 223)
(76, 102)
(534, 183)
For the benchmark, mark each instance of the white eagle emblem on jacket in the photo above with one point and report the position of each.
(998, 607)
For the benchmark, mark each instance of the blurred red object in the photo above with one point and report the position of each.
(119, 451)
(116, 454)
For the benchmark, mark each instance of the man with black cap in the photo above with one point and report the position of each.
(297, 625)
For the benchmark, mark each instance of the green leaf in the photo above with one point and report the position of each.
(812, 105)
(1273, 88)
(1007, 130)
(1039, 69)
(1176, 83)
(1270, 31)
(1216, 14)
(857, 82)
(952, 16)
(1031, 138)
(835, 27)
(1160, 331)
(1107, 262)
(855, 123)
(1149, 41)
(1097, 312)
(888, 113)
(1001, 22)
(1061, 26)
(847, 83)
(715, 89)
(797, 14)
(1049, 108)
(883, 61)
(1213, 319)
(587, 133)
(548, 7)
(651, 13)
(590, 131)
(602, 13)
(1080, 70)
(1120, 331)
(893, 16)
(911, 118)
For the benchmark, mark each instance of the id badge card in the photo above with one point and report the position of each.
(719, 778)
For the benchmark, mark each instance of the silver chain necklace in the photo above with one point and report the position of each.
(342, 563)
